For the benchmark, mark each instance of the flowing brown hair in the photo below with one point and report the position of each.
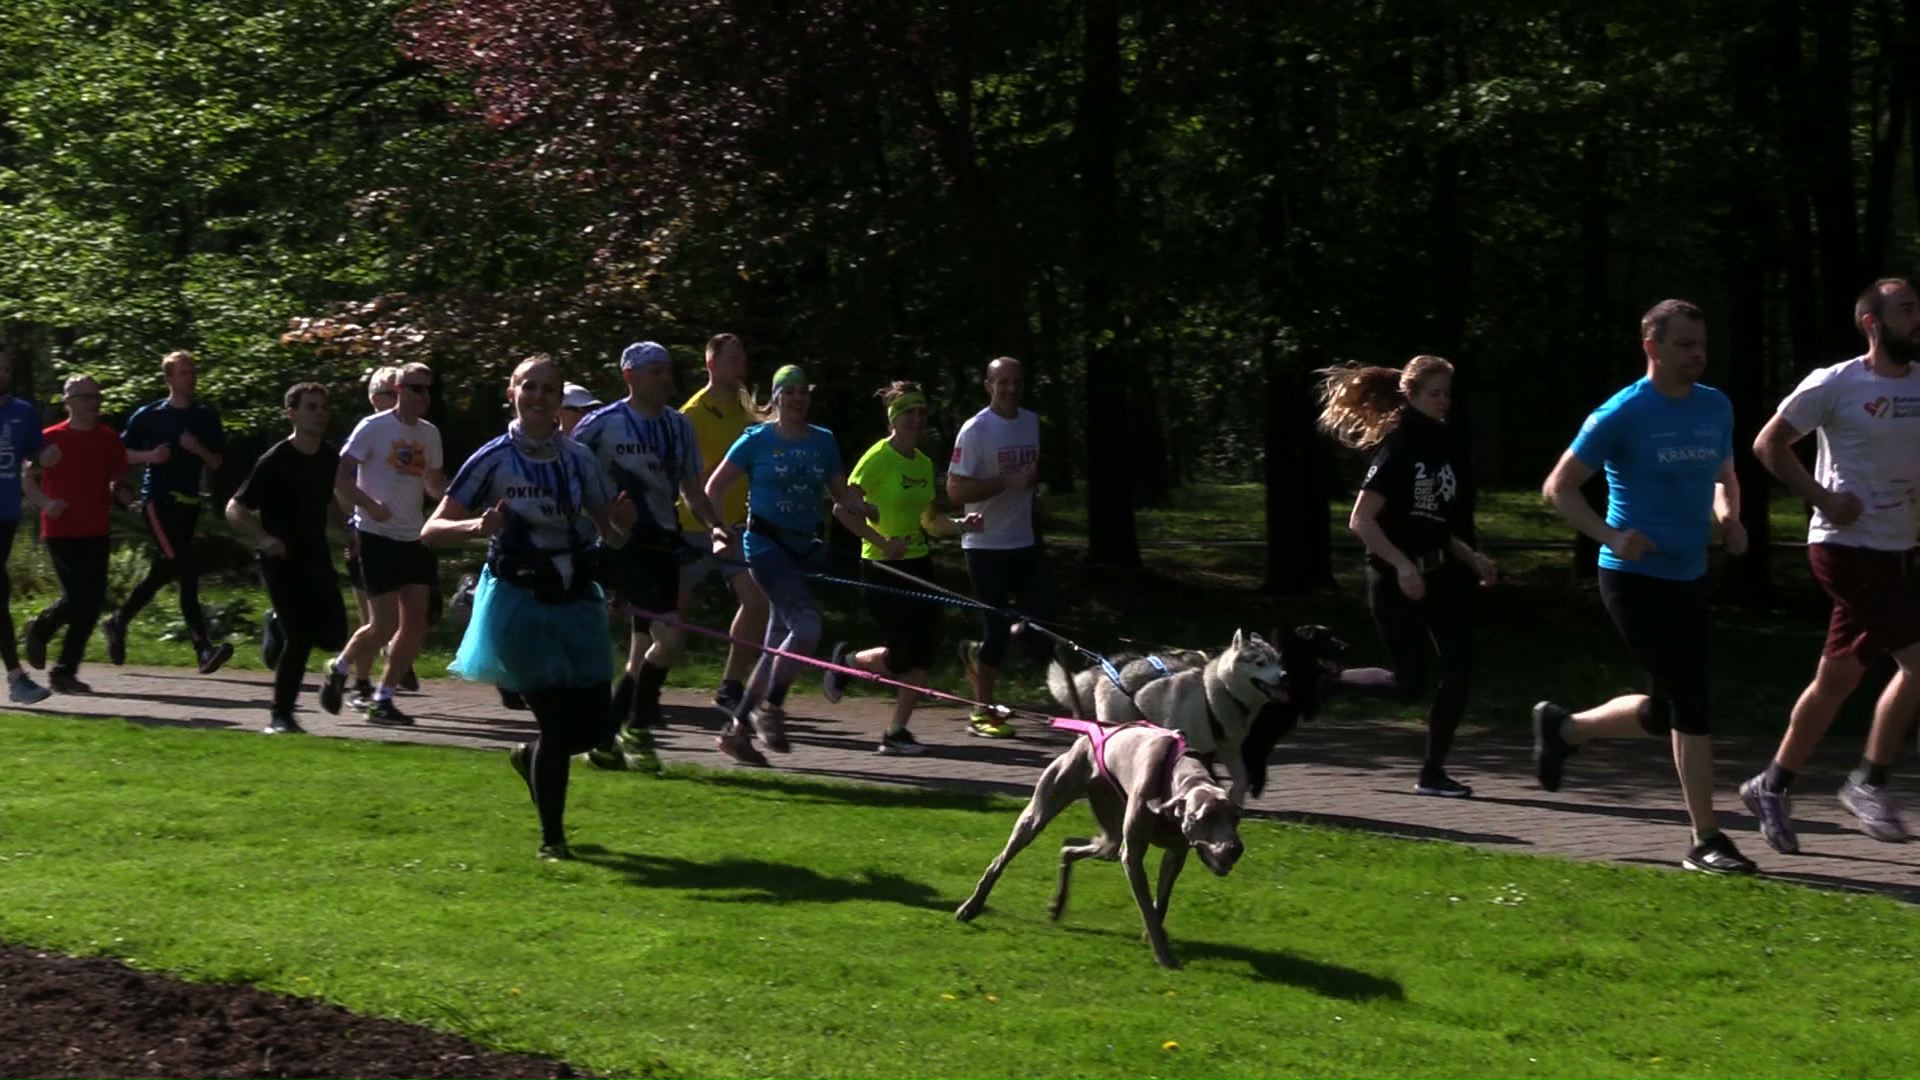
(1360, 406)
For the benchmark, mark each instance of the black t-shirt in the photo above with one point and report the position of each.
(1421, 471)
(292, 492)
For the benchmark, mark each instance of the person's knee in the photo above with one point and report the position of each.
(804, 624)
(669, 643)
(1688, 717)
(1655, 716)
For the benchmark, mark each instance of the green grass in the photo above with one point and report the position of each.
(769, 925)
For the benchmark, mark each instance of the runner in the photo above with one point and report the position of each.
(1666, 443)
(996, 462)
(283, 508)
(648, 450)
(1860, 545)
(195, 443)
(76, 493)
(20, 445)
(390, 463)
(1412, 517)
(788, 464)
(539, 623)
(720, 412)
(575, 404)
(897, 479)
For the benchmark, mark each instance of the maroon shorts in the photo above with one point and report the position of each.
(1876, 599)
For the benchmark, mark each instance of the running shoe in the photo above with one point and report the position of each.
(607, 757)
(833, 684)
(65, 682)
(901, 744)
(362, 698)
(770, 723)
(332, 689)
(521, 758)
(1873, 804)
(638, 744)
(1774, 811)
(738, 745)
(385, 713)
(554, 853)
(273, 639)
(410, 682)
(727, 699)
(115, 632)
(1443, 786)
(1550, 747)
(22, 690)
(284, 724)
(35, 641)
(212, 656)
(1717, 855)
(988, 726)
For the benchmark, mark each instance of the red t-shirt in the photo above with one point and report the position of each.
(90, 461)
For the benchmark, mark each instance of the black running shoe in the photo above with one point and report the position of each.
(385, 713)
(1717, 855)
(554, 853)
(410, 682)
(362, 698)
(212, 656)
(738, 745)
(273, 639)
(65, 682)
(512, 700)
(727, 699)
(607, 756)
(833, 684)
(284, 724)
(1442, 785)
(115, 632)
(1550, 748)
(332, 689)
(521, 758)
(36, 641)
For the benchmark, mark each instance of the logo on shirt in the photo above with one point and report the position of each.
(1896, 408)
(908, 483)
(407, 458)
(1679, 455)
(1015, 458)
(1878, 406)
(1430, 490)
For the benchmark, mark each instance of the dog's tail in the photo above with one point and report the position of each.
(1066, 690)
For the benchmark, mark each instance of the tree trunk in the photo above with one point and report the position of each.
(1888, 131)
(1111, 539)
(1750, 255)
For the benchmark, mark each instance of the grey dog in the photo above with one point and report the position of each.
(1147, 793)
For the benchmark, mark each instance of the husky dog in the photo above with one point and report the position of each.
(1211, 705)
(1090, 694)
(1144, 792)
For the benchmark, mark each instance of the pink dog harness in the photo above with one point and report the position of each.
(1099, 735)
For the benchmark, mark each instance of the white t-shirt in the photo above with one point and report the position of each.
(1869, 439)
(394, 458)
(988, 447)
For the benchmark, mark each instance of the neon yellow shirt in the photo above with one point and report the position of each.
(718, 420)
(901, 488)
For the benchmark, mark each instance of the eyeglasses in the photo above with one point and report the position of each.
(384, 393)
(418, 388)
(94, 396)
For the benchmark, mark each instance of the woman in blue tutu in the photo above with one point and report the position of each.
(539, 625)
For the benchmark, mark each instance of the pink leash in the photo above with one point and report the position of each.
(1099, 734)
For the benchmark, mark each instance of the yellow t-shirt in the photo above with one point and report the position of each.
(901, 488)
(718, 420)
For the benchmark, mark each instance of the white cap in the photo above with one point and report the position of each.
(578, 397)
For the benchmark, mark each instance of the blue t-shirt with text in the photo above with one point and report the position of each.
(1662, 456)
(546, 494)
(20, 441)
(786, 478)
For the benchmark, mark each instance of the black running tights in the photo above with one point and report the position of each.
(572, 721)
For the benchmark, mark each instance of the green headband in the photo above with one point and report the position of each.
(790, 377)
(912, 399)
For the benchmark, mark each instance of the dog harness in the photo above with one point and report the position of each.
(1099, 735)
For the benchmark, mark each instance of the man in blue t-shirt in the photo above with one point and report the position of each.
(20, 442)
(1666, 444)
(187, 439)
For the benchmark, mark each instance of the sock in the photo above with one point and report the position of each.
(644, 710)
(732, 688)
(383, 693)
(1874, 775)
(622, 708)
(896, 728)
(15, 673)
(1777, 778)
(777, 696)
(648, 683)
(339, 666)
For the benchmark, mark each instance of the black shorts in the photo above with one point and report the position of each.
(1664, 624)
(387, 565)
(910, 628)
(646, 576)
(306, 597)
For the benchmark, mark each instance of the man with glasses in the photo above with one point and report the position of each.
(391, 464)
(191, 441)
(74, 484)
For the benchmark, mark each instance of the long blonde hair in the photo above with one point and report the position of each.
(1360, 406)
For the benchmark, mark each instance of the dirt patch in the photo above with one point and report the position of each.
(62, 1016)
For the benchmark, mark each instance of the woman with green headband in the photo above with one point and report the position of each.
(897, 479)
(788, 464)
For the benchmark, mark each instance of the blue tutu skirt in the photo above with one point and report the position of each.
(518, 643)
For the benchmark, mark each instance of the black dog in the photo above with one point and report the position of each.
(1311, 656)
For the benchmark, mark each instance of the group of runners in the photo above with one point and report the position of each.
(634, 503)
(1665, 444)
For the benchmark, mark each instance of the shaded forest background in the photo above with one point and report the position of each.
(1173, 213)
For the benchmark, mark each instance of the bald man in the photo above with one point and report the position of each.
(996, 460)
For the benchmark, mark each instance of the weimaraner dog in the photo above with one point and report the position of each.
(1144, 790)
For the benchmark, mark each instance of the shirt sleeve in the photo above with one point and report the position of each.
(436, 459)
(259, 480)
(471, 485)
(31, 437)
(212, 434)
(864, 468)
(1600, 437)
(691, 465)
(969, 457)
(596, 490)
(116, 456)
(830, 453)
(740, 454)
(1726, 429)
(359, 445)
(139, 434)
(1387, 474)
(1811, 404)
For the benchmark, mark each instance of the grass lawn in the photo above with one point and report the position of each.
(720, 924)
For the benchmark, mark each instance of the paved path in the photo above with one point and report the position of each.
(1620, 802)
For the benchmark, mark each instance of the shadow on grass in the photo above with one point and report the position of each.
(755, 881)
(1326, 980)
(904, 793)
(1908, 893)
